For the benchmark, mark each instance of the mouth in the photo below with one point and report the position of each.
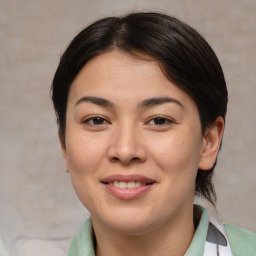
(128, 187)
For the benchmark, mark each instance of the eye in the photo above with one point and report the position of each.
(160, 121)
(96, 121)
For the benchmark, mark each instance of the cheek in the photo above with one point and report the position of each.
(177, 157)
(179, 152)
(83, 155)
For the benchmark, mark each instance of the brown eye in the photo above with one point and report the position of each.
(96, 121)
(160, 121)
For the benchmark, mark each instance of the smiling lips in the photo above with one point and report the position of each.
(128, 187)
(125, 185)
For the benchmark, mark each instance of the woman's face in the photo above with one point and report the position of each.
(133, 144)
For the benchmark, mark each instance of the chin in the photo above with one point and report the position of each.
(129, 222)
(132, 228)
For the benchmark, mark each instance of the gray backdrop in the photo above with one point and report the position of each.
(38, 208)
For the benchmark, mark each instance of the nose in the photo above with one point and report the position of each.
(126, 147)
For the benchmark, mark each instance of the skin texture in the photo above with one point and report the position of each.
(161, 141)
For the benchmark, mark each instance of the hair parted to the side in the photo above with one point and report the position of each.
(186, 58)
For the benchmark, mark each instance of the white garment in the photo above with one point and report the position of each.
(215, 248)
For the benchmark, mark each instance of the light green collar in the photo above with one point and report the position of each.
(82, 244)
(3, 252)
(196, 247)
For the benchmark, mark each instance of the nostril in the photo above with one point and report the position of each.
(126, 161)
(115, 159)
(135, 159)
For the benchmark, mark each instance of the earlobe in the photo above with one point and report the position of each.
(211, 145)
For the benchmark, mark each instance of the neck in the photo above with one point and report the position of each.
(172, 238)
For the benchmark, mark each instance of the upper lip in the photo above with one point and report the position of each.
(127, 178)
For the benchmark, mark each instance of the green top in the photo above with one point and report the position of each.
(242, 242)
(3, 252)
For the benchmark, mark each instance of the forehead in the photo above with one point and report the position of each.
(120, 67)
(117, 75)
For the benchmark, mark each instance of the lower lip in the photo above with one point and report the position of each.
(128, 193)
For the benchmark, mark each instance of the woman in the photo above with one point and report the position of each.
(140, 102)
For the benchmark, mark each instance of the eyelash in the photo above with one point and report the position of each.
(101, 121)
(167, 121)
(94, 118)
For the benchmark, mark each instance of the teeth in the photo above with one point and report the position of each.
(125, 185)
(138, 184)
(131, 184)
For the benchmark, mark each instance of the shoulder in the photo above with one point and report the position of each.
(3, 252)
(242, 241)
(82, 244)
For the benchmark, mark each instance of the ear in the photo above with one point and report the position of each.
(63, 149)
(211, 144)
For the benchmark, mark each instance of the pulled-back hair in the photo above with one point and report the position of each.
(186, 59)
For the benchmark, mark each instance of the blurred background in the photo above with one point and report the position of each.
(39, 212)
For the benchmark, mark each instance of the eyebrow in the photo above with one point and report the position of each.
(158, 101)
(144, 104)
(95, 100)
